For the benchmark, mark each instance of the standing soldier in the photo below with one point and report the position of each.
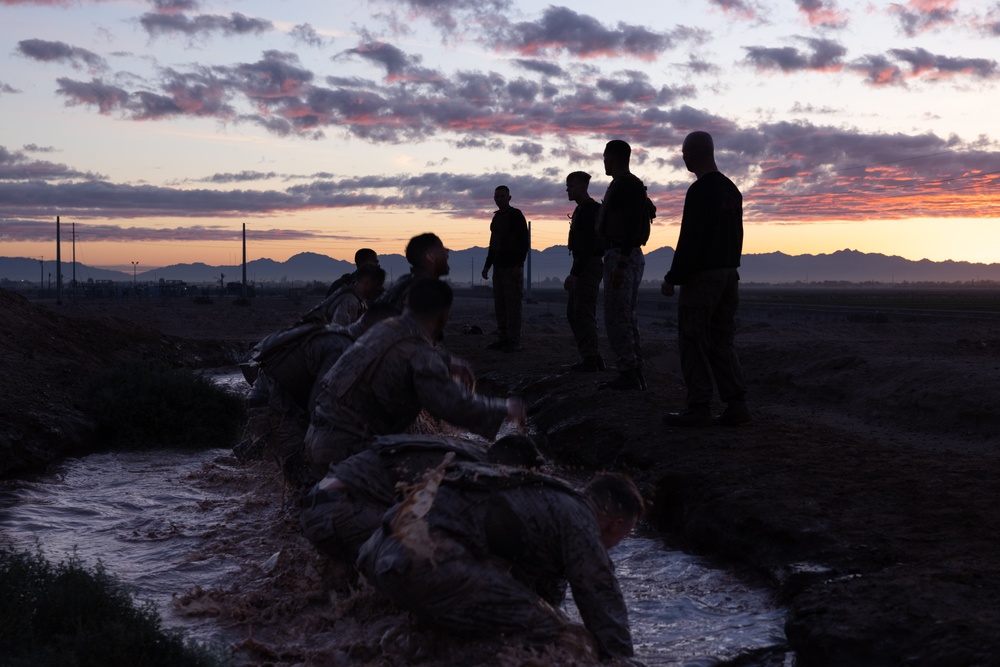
(623, 226)
(584, 280)
(706, 266)
(509, 244)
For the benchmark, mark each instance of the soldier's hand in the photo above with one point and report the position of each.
(463, 374)
(486, 274)
(666, 289)
(517, 413)
(617, 277)
(569, 283)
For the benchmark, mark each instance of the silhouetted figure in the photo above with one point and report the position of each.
(584, 280)
(623, 228)
(705, 267)
(509, 244)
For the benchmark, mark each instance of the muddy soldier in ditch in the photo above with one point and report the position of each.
(428, 258)
(350, 301)
(290, 365)
(344, 508)
(379, 386)
(467, 549)
(584, 280)
(620, 227)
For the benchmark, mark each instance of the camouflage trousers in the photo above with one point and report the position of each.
(581, 307)
(455, 589)
(508, 292)
(327, 443)
(620, 321)
(338, 522)
(706, 318)
(279, 427)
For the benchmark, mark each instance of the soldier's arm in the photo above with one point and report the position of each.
(592, 579)
(444, 398)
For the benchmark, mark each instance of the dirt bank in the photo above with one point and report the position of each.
(865, 488)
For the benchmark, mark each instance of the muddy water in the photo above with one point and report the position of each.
(137, 513)
(170, 522)
(215, 546)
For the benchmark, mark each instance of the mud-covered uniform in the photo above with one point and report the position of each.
(705, 265)
(507, 251)
(291, 363)
(342, 511)
(620, 230)
(471, 563)
(587, 251)
(342, 307)
(395, 295)
(379, 387)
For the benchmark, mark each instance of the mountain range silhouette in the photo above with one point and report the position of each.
(551, 264)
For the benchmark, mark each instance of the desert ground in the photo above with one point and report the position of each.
(865, 490)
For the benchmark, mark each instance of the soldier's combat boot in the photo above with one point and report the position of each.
(588, 365)
(695, 416)
(626, 381)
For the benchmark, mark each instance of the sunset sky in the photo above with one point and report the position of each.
(160, 126)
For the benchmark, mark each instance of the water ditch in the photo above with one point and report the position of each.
(150, 519)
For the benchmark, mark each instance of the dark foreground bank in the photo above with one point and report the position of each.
(864, 489)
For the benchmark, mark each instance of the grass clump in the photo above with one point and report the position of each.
(67, 616)
(143, 405)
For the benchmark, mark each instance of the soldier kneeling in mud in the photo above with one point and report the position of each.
(290, 365)
(343, 510)
(475, 549)
(391, 374)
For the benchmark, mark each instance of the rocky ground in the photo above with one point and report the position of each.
(865, 489)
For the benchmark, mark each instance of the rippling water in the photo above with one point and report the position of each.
(145, 517)
(136, 512)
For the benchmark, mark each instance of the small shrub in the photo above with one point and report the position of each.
(69, 616)
(145, 405)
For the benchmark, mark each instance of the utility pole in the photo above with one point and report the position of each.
(74, 262)
(244, 294)
(527, 296)
(41, 279)
(134, 264)
(58, 266)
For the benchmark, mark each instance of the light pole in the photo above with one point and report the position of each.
(134, 264)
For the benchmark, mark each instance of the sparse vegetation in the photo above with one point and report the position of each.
(144, 405)
(68, 616)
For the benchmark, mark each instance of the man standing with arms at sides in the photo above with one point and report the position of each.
(705, 266)
(508, 248)
(620, 226)
(584, 280)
